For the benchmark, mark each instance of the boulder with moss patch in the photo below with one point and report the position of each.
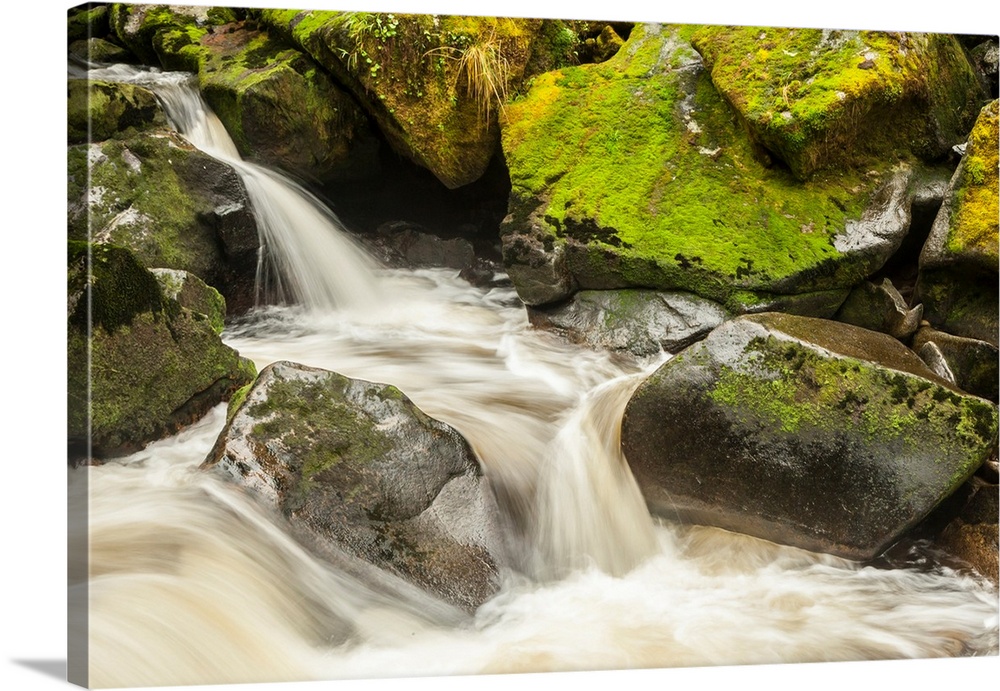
(634, 173)
(166, 35)
(822, 99)
(434, 84)
(805, 432)
(99, 50)
(99, 110)
(154, 366)
(192, 293)
(87, 21)
(172, 205)
(281, 108)
(642, 322)
(959, 263)
(358, 465)
(973, 365)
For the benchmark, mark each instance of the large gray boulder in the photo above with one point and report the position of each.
(358, 466)
(805, 432)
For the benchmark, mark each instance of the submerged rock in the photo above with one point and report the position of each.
(403, 244)
(825, 99)
(633, 173)
(803, 431)
(358, 464)
(154, 366)
(643, 322)
(959, 263)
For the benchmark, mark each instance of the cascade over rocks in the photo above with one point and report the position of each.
(172, 205)
(959, 263)
(154, 365)
(357, 464)
(824, 99)
(633, 173)
(805, 432)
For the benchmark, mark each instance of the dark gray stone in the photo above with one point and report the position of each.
(880, 307)
(642, 322)
(973, 364)
(803, 431)
(359, 466)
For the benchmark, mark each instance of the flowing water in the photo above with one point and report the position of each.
(189, 581)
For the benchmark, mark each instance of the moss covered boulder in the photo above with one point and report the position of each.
(154, 366)
(87, 21)
(805, 432)
(973, 365)
(99, 50)
(166, 35)
(635, 173)
(357, 465)
(99, 110)
(282, 109)
(434, 84)
(192, 293)
(172, 205)
(822, 99)
(959, 263)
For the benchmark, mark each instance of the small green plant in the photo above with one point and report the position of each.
(482, 69)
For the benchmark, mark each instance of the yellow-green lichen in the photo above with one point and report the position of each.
(974, 226)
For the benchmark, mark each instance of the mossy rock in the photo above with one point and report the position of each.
(172, 205)
(805, 432)
(416, 76)
(973, 365)
(959, 262)
(824, 99)
(154, 366)
(281, 108)
(359, 467)
(635, 173)
(87, 21)
(100, 110)
(101, 51)
(191, 293)
(166, 35)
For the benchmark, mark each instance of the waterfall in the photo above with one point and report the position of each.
(306, 256)
(189, 581)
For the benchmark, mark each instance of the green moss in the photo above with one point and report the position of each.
(239, 396)
(792, 388)
(974, 226)
(821, 99)
(119, 287)
(318, 426)
(666, 183)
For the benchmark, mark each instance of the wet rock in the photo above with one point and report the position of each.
(880, 307)
(972, 536)
(99, 50)
(154, 365)
(822, 304)
(172, 205)
(408, 245)
(802, 431)
(598, 203)
(100, 110)
(357, 464)
(808, 96)
(958, 265)
(192, 293)
(643, 322)
(281, 108)
(972, 364)
(86, 21)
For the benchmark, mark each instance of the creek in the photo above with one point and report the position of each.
(190, 581)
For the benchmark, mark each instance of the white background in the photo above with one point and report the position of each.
(32, 385)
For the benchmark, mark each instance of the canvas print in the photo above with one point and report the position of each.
(407, 345)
